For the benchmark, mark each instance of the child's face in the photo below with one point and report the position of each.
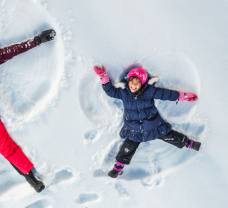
(134, 84)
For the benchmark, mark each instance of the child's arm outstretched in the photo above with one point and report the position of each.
(106, 83)
(173, 95)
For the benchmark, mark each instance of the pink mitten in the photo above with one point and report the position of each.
(187, 96)
(101, 72)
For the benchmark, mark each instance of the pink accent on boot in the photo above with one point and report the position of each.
(189, 144)
(119, 163)
(118, 169)
(118, 166)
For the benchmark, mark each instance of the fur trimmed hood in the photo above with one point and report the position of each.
(122, 84)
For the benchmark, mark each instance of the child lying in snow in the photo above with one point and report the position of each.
(142, 121)
(8, 148)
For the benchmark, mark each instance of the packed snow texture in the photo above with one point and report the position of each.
(54, 107)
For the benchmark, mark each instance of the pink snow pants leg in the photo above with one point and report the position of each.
(12, 152)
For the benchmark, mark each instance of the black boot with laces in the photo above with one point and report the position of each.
(36, 183)
(45, 36)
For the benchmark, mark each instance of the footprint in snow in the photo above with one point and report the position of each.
(90, 136)
(61, 176)
(152, 181)
(121, 190)
(86, 198)
(135, 173)
(43, 203)
(99, 173)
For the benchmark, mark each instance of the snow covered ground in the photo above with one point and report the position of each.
(54, 107)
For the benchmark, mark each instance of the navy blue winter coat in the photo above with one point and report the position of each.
(142, 121)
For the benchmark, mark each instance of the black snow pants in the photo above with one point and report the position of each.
(129, 147)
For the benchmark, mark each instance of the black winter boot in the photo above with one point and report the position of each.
(117, 170)
(31, 179)
(34, 181)
(114, 174)
(45, 36)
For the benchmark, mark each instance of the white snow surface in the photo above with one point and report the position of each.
(54, 107)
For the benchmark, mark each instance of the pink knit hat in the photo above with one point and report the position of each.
(140, 73)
